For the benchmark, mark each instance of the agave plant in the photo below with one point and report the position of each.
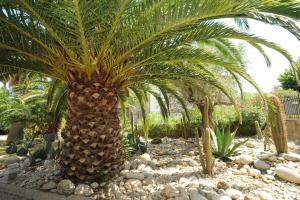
(102, 47)
(223, 140)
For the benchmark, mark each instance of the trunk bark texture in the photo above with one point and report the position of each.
(93, 149)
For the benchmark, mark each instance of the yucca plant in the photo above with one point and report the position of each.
(223, 140)
(102, 47)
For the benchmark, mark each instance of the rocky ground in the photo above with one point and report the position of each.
(171, 171)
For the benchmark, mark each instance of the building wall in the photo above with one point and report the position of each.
(293, 126)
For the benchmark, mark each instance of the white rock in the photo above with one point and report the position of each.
(134, 183)
(169, 192)
(94, 185)
(254, 173)
(48, 186)
(234, 194)
(221, 197)
(65, 187)
(145, 157)
(294, 157)
(288, 174)
(135, 175)
(261, 165)
(250, 144)
(83, 190)
(195, 195)
(262, 195)
(11, 160)
(244, 160)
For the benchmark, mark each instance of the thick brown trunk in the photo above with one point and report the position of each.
(93, 149)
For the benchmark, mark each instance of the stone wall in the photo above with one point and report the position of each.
(293, 126)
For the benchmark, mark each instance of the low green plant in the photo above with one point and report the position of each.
(223, 140)
(133, 145)
(39, 153)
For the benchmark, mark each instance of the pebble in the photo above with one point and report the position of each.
(11, 160)
(288, 174)
(294, 157)
(261, 165)
(49, 186)
(65, 187)
(244, 160)
(169, 192)
(83, 190)
(195, 195)
(223, 185)
(234, 193)
(264, 195)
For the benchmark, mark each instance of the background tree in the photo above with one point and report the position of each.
(100, 48)
(288, 80)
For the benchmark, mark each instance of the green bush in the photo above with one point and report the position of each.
(40, 153)
(249, 116)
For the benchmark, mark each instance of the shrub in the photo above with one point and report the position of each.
(250, 114)
(40, 153)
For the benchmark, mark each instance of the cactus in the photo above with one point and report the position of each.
(277, 124)
(258, 130)
(206, 156)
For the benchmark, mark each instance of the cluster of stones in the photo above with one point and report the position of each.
(171, 170)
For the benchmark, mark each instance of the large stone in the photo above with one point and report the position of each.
(261, 165)
(195, 195)
(169, 192)
(83, 190)
(234, 193)
(254, 173)
(145, 157)
(65, 187)
(14, 166)
(221, 197)
(49, 186)
(244, 160)
(8, 175)
(288, 174)
(11, 160)
(264, 195)
(294, 157)
(135, 175)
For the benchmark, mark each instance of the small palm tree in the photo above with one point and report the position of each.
(102, 47)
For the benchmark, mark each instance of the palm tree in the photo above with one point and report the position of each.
(101, 47)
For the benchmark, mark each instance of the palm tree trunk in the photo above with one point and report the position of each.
(92, 147)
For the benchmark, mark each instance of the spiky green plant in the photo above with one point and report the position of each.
(102, 47)
(223, 140)
(276, 119)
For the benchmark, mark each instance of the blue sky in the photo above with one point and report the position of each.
(266, 77)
